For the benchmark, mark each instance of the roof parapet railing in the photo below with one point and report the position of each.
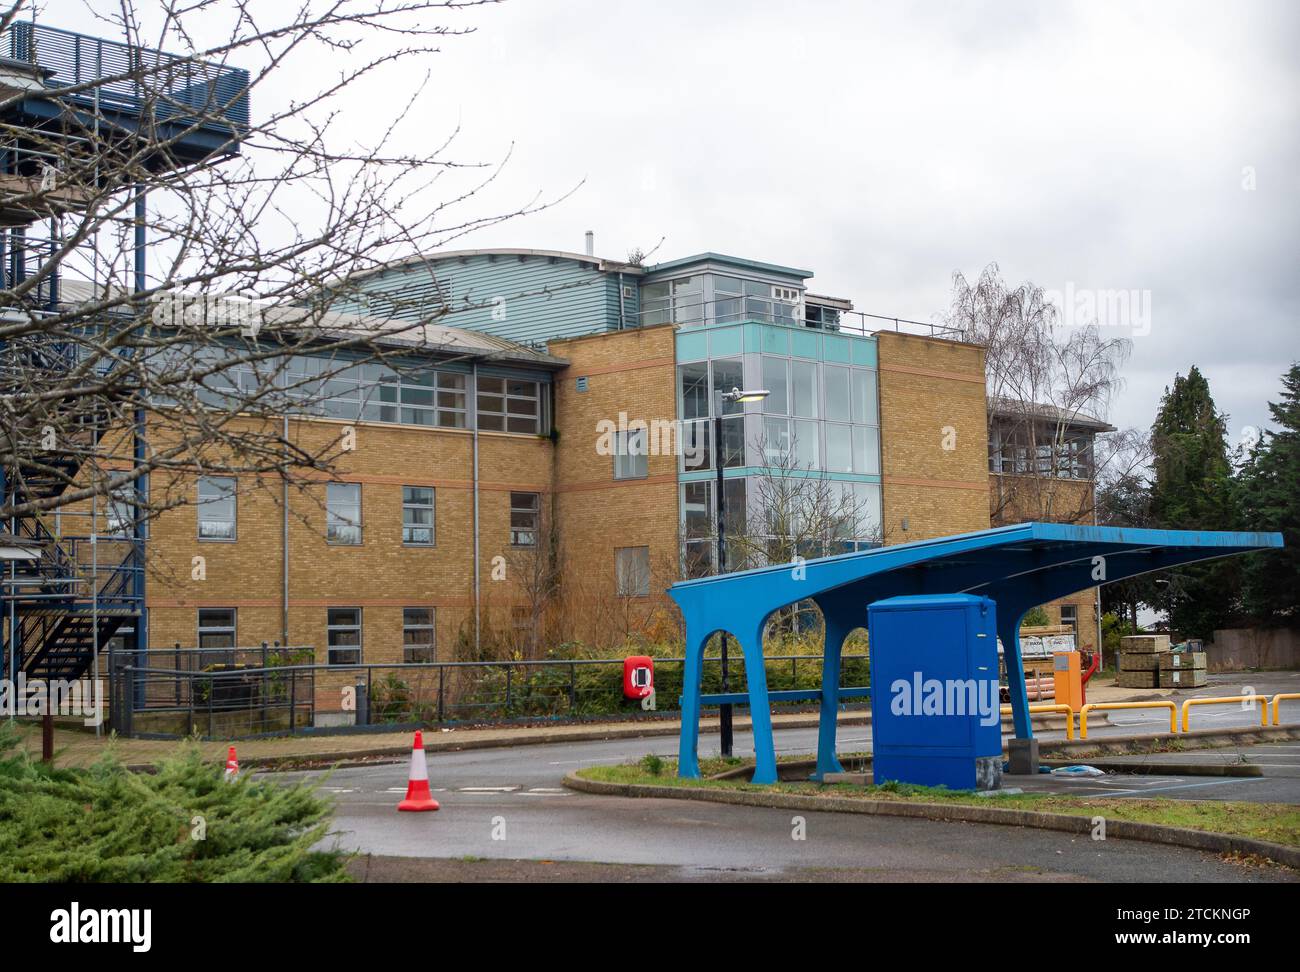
(765, 310)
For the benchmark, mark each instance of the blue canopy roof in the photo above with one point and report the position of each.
(1017, 566)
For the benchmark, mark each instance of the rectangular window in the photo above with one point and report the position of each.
(774, 380)
(343, 514)
(343, 635)
(837, 393)
(417, 515)
(632, 567)
(1070, 617)
(525, 514)
(509, 405)
(216, 508)
(216, 627)
(866, 450)
(693, 386)
(120, 513)
(839, 448)
(418, 642)
(864, 397)
(803, 440)
(728, 373)
(697, 440)
(803, 388)
(630, 454)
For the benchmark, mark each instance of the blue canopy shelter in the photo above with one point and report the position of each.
(1017, 566)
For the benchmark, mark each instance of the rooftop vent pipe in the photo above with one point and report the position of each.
(591, 243)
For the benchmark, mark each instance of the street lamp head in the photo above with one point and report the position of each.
(748, 395)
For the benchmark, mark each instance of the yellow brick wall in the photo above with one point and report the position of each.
(932, 396)
(630, 372)
(381, 576)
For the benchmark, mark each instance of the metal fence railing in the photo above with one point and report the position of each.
(234, 699)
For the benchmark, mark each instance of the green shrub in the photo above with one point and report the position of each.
(108, 824)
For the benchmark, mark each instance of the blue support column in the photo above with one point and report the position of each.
(1009, 616)
(760, 710)
(837, 629)
(688, 761)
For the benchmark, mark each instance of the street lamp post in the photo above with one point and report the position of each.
(724, 398)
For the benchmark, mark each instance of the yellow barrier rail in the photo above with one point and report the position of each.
(1261, 699)
(1161, 704)
(1049, 707)
(1278, 698)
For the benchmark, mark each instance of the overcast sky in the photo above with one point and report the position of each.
(1144, 147)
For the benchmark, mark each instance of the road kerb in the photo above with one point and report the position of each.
(1204, 840)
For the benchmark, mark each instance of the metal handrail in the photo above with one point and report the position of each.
(1278, 698)
(186, 82)
(859, 326)
(1159, 704)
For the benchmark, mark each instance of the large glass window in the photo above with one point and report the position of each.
(525, 517)
(678, 301)
(417, 515)
(216, 508)
(804, 441)
(509, 405)
(776, 440)
(864, 397)
(343, 636)
(343, 513)
(418, 638)
(776, 382)
(866, 450)
(803, 388)
(728, 374)
(693, 386)
(216, 627)
(839, 448)
(837, 393)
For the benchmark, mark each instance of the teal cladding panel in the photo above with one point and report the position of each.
(692, 345)
(836, 348)
(864, 352)
(725, 342)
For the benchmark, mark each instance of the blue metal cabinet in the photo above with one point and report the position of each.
(936, 718)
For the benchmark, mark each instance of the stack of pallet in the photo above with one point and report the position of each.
(1145, 661)
(1139, 660)
(1182, 669)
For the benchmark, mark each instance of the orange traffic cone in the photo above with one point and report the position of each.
(232, 765)
(418, 796)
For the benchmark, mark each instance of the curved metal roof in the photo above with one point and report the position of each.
(1016, 566)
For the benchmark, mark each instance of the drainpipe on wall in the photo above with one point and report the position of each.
(622, 309)
(474, 476)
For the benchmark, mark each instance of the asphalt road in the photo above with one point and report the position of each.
(509, 805)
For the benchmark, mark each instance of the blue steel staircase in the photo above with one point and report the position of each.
(169, 112)
(81, 589)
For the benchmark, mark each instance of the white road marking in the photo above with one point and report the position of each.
(603, 759)
(547, 789)
(488, 789)
(1192, 786)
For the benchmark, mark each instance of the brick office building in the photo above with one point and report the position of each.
(492, 454)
